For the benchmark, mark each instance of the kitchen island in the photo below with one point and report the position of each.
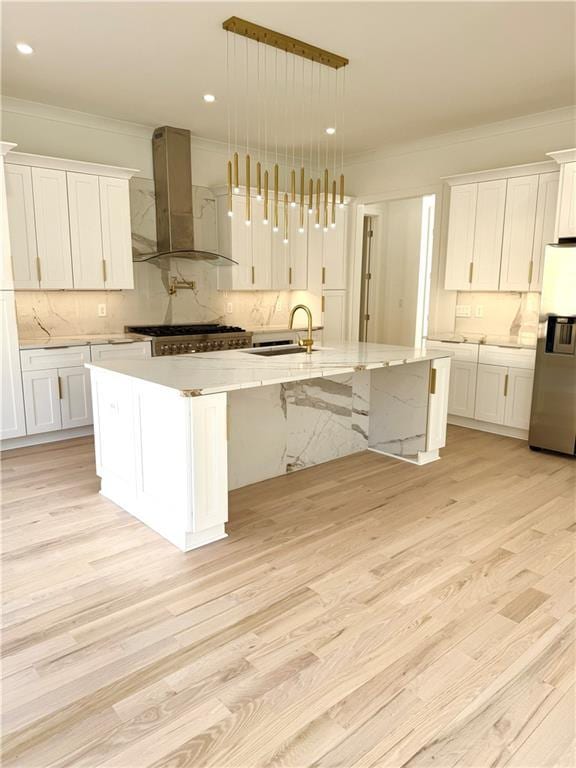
(174, 434)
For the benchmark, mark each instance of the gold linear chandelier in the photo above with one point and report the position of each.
(285, 102)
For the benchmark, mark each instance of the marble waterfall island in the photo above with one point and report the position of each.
(174, 434)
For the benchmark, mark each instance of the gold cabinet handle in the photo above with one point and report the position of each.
(104, 271)
(60, 390)
(432, 380)
(323, 275)
(253, 275)
(290, 275)
(470, 271)
(530, 271)
(323, 303)
(506, 385)
(38, 270)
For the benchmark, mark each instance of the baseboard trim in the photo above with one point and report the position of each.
(486, 426)
(423, 457)
(45, 437)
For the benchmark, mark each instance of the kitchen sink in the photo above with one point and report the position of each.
(274, 351)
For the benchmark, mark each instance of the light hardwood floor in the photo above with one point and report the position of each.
(365, 612)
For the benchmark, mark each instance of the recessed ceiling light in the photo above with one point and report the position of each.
(209, 98)
(25, 48)
(330, 131)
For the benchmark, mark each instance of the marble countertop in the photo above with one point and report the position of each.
(77, 341)
(211, 372)
(280, 329)
(478, 338)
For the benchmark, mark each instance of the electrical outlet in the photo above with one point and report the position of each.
(478, 310)
(278, 306)
(229, 308)
(463, 310)
(101, 310)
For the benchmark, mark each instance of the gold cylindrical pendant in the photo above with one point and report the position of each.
(341, 189)
(302, 198)
(248, 188)
(229, 180)
(333, 212)
(310, 195)
(258, 180)
(318, 191)
(276, 196)
(325, 198)
(285, 217)
(266, 196)
(236, 176)
(293, 187)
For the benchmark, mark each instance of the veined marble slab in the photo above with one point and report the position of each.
(213, 372)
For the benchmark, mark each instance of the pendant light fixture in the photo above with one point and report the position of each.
(313, 93)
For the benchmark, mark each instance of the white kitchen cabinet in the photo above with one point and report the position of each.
(490, 397)
(566, 221)
(116, 233)
(334, 319)
(519, 226)
(235, 242)
(42, 401)
(438, 403)
(462, 398)
(52, 228)
(13, 422)
(334, 252)
(75, 400)
(280, 261)
(545, 222)
(460, 246)
(261, 248)
(20, 204)
(139, 350)
(488, 233)
(518, 398)
(298, 271)
(85, 231)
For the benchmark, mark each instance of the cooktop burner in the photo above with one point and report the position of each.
(183, 330)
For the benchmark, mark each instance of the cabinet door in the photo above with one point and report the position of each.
(315, 257)
(488, 232)
(20, 203)
(334, 321)
(41, 401)
(280, 261)
(438, 404)
(12, 423)
(519, 226)
(261, 248)
(241, 247)
(76, 404)
(518, 398)
(462, 398)
(85, 230)
(116, 232)
(490, 397)
(334, 252)
(567, 207)
(545, 221)
(52, 228)
(460, 247)
(298, 272)
(133, 350)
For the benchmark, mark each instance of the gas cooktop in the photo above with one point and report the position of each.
(183, 330)
(199, 337)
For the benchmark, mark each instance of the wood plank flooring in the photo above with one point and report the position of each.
(365, 612)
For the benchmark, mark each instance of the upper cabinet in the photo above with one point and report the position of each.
(566, 212)
(498, 228)
(69, 224)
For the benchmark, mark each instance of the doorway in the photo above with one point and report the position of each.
(397, 239)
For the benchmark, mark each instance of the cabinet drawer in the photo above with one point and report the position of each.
(514, 358)
(467, 353)
(120, 351)
(54, 357)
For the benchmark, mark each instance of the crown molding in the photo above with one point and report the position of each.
(488, 130)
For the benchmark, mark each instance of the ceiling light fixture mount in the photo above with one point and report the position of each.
(24, 48)
(294, 92)
(209, 98)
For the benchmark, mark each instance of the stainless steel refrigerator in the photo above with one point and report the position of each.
(553, 415)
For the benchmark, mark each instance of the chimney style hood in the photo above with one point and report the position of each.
(173, 189)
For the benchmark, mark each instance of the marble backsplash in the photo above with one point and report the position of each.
(503, 314)
(71, 313)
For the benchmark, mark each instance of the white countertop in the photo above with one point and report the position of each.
(280, 329)
(478, 338)
(77, 341)
(211, 372)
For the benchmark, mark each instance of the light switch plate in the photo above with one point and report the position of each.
(463, 310)
(479, 310)
(101, 310)
(229, 308)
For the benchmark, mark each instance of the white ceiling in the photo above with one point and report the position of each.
(416, 69)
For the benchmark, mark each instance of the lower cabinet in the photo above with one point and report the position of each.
(518, 398)
(462, 397)
(504, 395)
(58, 398)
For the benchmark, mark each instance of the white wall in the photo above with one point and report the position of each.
(418, 167)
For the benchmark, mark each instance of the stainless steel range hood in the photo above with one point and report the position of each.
(173, 188)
